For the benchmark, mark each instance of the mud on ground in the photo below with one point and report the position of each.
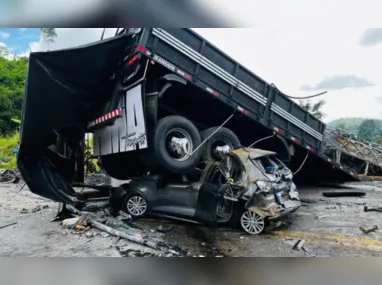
(330, 227)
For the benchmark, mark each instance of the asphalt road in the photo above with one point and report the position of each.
(330, 227)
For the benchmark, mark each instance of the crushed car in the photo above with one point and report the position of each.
(249, 188)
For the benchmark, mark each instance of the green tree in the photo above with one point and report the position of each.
(378, 140)
(12, 84)
(49, 35)
(314, 109)
(368, 129)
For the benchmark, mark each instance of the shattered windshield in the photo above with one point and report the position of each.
(270, 164)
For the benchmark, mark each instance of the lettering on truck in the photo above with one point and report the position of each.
(165, 63)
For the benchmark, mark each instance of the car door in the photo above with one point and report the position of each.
(176, 199)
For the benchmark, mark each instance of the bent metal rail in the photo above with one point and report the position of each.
(350, 144)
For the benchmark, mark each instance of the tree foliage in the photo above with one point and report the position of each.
(314, 109)
(49, 35)
(369, 129)
(12, 84)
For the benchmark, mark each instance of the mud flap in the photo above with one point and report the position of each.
(207, 204)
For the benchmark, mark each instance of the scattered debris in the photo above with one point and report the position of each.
(89, 234)
(9, 176)
(335, 194)
(299, 245)
(369, 230)
(322, 217)
(36, 209)
(372, 209)
(308, 201)
(120, 229)
(8, 225)
(163, 229)
(23, 211)
(70, 223)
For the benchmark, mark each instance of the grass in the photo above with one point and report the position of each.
(7, 145)
(8, 158)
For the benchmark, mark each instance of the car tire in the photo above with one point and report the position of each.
(135, 205)
(252, 223)
(223, 136)
(164, 156)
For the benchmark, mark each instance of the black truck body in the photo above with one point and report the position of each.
(171, 72)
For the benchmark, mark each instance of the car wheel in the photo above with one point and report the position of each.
(175, 138)
(223, 137)
(135, 205)
(252, 223)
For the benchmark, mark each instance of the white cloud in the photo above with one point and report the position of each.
(22, 29)
(71, 37)
(292, 58)
(4, 35)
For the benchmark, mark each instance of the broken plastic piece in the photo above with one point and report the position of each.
(369, 230)
(70, 223)
(163, 229)
(299, 245)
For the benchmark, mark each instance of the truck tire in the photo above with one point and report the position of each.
(164, 150)
(222, 137)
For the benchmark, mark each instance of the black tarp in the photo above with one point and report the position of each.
(63, 90)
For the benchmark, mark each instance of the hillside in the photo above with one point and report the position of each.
(350, 124)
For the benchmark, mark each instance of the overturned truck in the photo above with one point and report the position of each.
(158, 101)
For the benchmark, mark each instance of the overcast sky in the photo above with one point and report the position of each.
(300, 61)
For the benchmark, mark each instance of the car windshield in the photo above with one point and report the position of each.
(270, 164)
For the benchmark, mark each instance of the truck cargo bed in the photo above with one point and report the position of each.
(186, 53)
(208, 65)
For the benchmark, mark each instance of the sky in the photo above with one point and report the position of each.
(300, 60)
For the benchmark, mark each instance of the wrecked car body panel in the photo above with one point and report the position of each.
(239, 179)
(271, 194)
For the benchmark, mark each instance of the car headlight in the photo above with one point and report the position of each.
(264, 186)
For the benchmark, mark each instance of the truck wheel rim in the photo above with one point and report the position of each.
(179, 134)
(219, 142)
(252, 223)
(136, 206)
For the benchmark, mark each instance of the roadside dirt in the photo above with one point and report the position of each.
(330, 227)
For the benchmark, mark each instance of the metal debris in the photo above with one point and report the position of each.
(36, 209)
(23, 211)
(369, 230)
(8, 225)
(335, 194)
(372, 209)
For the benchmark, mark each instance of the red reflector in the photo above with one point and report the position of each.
(187, 76)
(141, 49)
(310, 148)
(280, 131)
(213, 92)
(133, 60)
(295, 140)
